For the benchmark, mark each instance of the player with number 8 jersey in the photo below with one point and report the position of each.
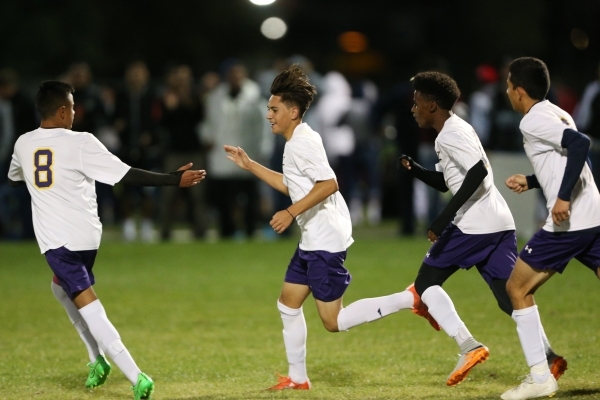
(60, 167)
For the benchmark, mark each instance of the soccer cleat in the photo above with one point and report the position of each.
(144, 387)
(99, 372)
(557, 365)
(285, 382)
(530, 389)
(465, 364)
(421, 309)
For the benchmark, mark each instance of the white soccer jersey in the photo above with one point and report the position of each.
(542, 129)
(327, 225)
(459, 149)
(60, 168)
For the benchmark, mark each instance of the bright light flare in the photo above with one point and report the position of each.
(273, 28)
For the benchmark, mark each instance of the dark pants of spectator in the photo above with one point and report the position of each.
(229, 195)
(194, 196)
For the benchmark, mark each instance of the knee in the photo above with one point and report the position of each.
(514, 290)
(331, 326)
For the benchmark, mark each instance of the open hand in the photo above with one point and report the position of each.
(517, 183)
(190, 177)
(238, 156)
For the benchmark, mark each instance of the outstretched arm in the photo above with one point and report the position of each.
(183, 177)
(15, 183)
(322, 190)
(434, 179)
(473, 179)
(272, 178)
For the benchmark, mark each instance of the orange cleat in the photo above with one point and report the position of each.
(558, 366)
(421, 309)
(286, 383)
(465, 364)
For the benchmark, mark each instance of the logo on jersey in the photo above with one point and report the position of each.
(564, 121)
(528, 249)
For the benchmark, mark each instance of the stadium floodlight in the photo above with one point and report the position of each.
(262, 2)
(273, 28)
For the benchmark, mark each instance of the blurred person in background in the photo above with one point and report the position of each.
(587, 117)
(363, 177)
(338, 137)
(235, 114)
(90, 116)
(481, 102)
(183, 111)
(136, 118)
(17, 116)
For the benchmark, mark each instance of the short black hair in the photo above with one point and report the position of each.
(293, 87)
(437, 87)
(532, 75)
(51, 96)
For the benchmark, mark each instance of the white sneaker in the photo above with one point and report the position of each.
(530, 389)
(147, 230)
(129, 230)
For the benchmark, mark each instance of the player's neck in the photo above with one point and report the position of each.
(50, 124)
(289, 132)
(441, 119)
(528, 103)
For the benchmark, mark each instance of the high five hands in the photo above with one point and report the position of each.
(190, 177)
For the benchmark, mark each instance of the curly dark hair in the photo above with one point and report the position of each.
(437, 87)
(51, 96)
(293, 87)
(532, 75)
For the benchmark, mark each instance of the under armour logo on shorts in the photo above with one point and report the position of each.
(528, 249)
(427, 254)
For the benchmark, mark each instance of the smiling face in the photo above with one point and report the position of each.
(423, 110)
(283, 119)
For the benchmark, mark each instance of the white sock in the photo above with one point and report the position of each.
(368, 310)
(294, 339)
(442, 310)
(108, 338)
(77, 321)
(529, 330)
(547, 348)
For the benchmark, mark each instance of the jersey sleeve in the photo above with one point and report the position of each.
(310, 159)
(459, 150)
(15, 172)
(100, 164)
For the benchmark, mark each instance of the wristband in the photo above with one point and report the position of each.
(289, 212)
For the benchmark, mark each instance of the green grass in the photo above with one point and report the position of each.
(201, 319)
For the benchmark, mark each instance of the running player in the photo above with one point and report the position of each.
(475, 229)
(558, 154)
(59, 167)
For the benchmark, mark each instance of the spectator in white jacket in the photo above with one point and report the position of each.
(235, 113)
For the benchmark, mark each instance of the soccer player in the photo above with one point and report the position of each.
(475, 229)
(60, 167)
(558, 154)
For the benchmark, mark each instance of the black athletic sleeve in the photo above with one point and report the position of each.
(141, 177)
(15, 183)
(532, 182)
(434, 179)
(577, 145)
(473, 179)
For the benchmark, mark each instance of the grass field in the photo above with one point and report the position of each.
(201, 320)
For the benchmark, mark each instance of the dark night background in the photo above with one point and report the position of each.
(41, 38)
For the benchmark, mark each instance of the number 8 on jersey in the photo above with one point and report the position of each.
(42, 160)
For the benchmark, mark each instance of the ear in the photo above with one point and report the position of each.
(433, 106)
(522, 93)
(62, 112)
(295, 112)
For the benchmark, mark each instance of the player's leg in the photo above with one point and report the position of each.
(295, 291)
(74, 271)
(442, 310)
(521, 287)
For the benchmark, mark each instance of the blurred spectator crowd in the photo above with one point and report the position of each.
(162, 123)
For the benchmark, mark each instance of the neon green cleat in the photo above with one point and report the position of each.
(143, 388)
(99, 372)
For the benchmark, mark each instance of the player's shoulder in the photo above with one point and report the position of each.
(544, 116)
(455, 130)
